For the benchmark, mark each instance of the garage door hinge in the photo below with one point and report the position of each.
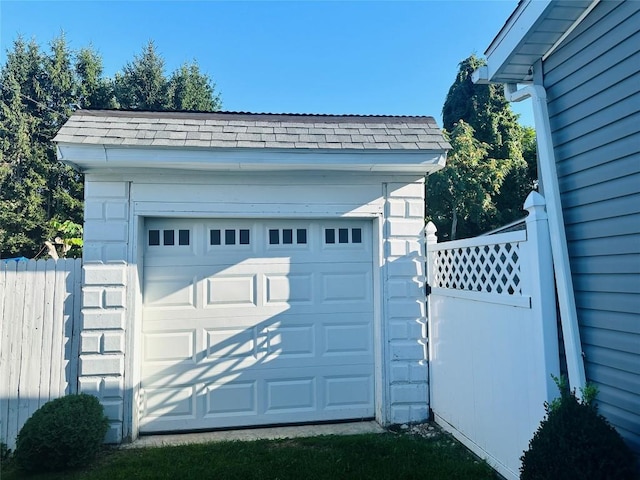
(427, 289)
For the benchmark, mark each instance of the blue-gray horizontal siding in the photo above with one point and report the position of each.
(593, 87)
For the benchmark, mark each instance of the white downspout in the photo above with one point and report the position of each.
(559, 251)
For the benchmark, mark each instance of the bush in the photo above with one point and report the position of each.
(575, 442)
(64, 433)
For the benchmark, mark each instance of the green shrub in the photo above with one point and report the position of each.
(575, 442)
(64, 433)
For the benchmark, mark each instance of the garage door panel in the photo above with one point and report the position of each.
(231, 290)
(231, 342)
(270, 322)
(290, 336)
(172, 345)
(171, 402)
(170, 291)
(245, 369)
(345, 287)
(290, 395)
(348, 390)
(231, 399)
(266, 314)
(295, 341)
(347, 339)
(288, 288)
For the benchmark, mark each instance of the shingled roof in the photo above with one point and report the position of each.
(251, 130)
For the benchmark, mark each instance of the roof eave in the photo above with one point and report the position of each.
(92, 158)
(525, 38)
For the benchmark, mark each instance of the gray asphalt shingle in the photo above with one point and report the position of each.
(252, 130)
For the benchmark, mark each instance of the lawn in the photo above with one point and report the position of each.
(368, 456)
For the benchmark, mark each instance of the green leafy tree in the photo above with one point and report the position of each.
(460, 196)
(66, 241)
(510, 153)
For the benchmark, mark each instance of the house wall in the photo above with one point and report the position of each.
(115, 208)
(593, 89)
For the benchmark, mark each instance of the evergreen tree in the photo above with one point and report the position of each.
(189, 89)
(486, 110)
(24, 200)
(142, 85)
(94, 91)
(38, 92)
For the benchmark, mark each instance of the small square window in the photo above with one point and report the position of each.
(244, 237)
(169, 237)
(214, 237)
(343, 235)
(329, 235)
(356, 235)
(301, 236)
(287, 236)
(183, 237)
(154, 237)
(274, 237)
(229, 237)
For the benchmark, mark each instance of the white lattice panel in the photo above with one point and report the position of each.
(484, 268)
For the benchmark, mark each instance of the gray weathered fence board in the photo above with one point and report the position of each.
(39, 337)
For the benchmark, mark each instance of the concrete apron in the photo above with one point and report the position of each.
(248, 434)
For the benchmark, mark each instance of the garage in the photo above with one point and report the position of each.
(246, 269)
(256, 322)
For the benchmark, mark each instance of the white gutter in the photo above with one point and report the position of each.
(560, 253)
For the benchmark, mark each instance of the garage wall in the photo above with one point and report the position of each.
(109, 302)
(405, 302)
(104, 298)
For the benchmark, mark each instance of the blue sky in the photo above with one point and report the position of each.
(394, 58)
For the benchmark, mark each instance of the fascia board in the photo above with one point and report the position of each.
(114, 158)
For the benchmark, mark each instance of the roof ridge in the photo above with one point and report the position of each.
(241, 115)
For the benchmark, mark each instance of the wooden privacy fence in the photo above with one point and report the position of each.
(39, 329)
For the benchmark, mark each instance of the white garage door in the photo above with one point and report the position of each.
(256, 322)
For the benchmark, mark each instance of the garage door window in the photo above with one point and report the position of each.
(286, 236)
(231, 237)
(343, 236)
(168, 237)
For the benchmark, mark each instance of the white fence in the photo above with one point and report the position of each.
(493, 341)
(39, 325)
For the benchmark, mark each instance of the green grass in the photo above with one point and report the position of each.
(371, 456)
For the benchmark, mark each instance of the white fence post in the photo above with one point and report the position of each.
(431, 238)
(539, 285)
